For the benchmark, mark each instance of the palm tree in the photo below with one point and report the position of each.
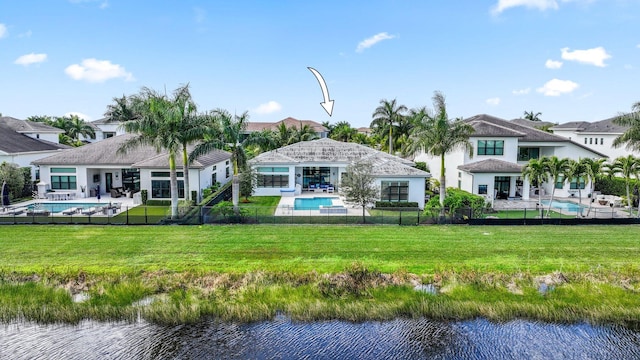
(631, 137)
(228, 134)
(77, 127)
(342, 131)
(155, 123)
(556, 168)
(386, 116)
(594, 168)
(437, 135)
(303, 133)
(283, 135)
(530, 115)
(627, 167)
(576, 170)
(536, 171)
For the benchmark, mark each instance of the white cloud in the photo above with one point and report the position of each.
(3, 31)
(369, 42)
(28, 59)
(93, 70)
(521, 91)
(268, 108)
(493, 101)
(552, 64)
(595, 56)
(82, 116)
(541, 5)
(557, 87)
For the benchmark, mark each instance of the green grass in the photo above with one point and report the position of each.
(249, 273)
(528, 214)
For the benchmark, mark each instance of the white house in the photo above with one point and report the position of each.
(500, 150)
(23, 141)
(598, 136)
(320, 164)
(104, 129)
(320, 130)
(83, 169)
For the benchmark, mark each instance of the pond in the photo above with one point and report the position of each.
(284, 339)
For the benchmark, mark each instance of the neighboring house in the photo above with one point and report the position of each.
(23, 141)
(500, 150)
(321, 131)
(533, 124)
(82, 169)
(104, 129)
(323, 162)
(364, 130)
(597, 135)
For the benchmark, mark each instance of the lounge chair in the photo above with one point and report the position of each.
(89, 211)
(16, 211)
(71, 211)
(38, 212)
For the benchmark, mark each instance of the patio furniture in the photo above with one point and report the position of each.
(38, 212)
(15, 211)
(333, 209)
(90, 211)
(287, 192)
(71, 211)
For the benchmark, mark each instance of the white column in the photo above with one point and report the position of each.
(525, 188)
(512, 186)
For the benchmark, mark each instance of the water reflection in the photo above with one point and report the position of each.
(284, 339)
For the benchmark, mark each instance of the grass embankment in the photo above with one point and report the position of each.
(248, 273)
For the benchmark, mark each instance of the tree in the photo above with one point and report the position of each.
(12, 175)
(358, 185)
(630, 138)
(155, 123)
(385, 117)
(555, 168)
(437, 135)
(248, 182)
(77, 127)
(229, 135)
(303, 133)
(342, 131)
(594, 168)
(530, 115)
(536, 171)
(576, 170)
(627, 167)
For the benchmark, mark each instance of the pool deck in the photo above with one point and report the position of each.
(286, 205)
(105, 200)
(597, 210)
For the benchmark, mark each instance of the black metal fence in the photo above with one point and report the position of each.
(196, 215)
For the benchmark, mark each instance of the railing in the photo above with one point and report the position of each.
(158, 215)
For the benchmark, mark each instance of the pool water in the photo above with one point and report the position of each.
(564, 205)
(59, 207)
(312, 203)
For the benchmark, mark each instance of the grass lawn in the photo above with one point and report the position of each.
(250, 273)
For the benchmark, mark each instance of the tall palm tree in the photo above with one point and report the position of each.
(628, 167)
(631, 137)
(556, 168)
(576, 170)
(156, 124)
(77, 127)
(228, 134)
(536, 171)
(303, 133)
(437, 135)
(386, 116)
(283, 135)
(530, 115)
(342, 131)
(594, 168)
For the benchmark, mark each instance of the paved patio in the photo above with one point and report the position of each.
(597, 210)
(286, 206)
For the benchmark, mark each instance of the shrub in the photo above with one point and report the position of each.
(614, 185)
(158, 202)
(144, 196)
(457, 199)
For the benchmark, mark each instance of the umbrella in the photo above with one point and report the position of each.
(5, 194)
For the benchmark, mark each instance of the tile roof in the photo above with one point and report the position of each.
(105, 152)
(289, 122)
(336, 152)
(491, 166)
(532, 124)
(602, 126)
(26, 126)
(14, 142)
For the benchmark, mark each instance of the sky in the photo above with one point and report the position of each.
(570, 60)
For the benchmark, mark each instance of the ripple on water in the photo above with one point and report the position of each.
(285, 339)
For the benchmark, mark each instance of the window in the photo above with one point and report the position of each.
(585, 141)
(166, 174)
(227, 172)
(459, 174)
(214, 178)
(272, 169)
(131, 179)
(394, 191)
(590, 141)
(63, 170)
(525, 154)
(560, 182)
(601, 141)
(482, 189)
(273, 181)
(107, 135)
(577, 183)
(490, 147)
(161, 189)
(63, 182)
(459, 184)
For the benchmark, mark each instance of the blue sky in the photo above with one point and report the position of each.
(568, 59)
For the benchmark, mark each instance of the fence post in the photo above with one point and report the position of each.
(146, 221)
(418, 223)
(400, 219)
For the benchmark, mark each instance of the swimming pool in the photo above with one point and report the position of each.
(564, 205)
(59, 207)
(312, 203)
